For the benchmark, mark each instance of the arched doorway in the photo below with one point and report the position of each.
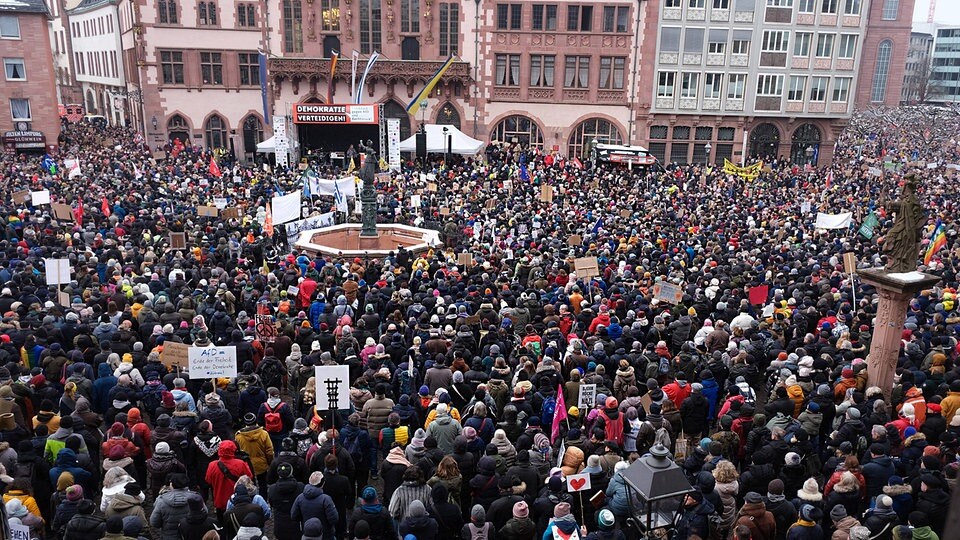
(177, 128)
(581, 140)
(765, 140)
(448, 115)
(252, 134)
(91, 102)
(392, 109)
(518, 128)
(410, 48)
(216, 132)
(806, 137)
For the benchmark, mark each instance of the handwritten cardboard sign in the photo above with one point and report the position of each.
(578, 482)
(175, 355)
(210, 362)
(21, 196)
(575, 240)
(57, 271)
(62, 212)
(266, 328)
(230, 213)
(333, 387)
(667, 292)
(178, 240)
(586, 267)
(546, 193)
(208, 211)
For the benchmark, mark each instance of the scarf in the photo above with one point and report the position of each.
(396, 457)
(273, 402)
(775, 498)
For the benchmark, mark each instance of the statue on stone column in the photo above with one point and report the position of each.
(902, 241)
(368, 196)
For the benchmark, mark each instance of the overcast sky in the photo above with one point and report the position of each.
(948, 12)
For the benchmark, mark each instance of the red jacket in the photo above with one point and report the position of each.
(222, 484)
(678, 393)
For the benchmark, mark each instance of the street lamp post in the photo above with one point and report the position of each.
(447, 143)
(660, 487)
(633, 86)
(423, 112)
(476, 66)
(809, 153)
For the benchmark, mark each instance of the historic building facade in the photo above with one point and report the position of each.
(98, 60)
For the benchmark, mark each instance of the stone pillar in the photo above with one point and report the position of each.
(895, 291)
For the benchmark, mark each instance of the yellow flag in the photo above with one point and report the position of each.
(352, 166)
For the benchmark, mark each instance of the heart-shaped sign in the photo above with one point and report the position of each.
(577, 483)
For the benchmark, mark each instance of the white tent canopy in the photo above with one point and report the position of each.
(268, 146)
(437, 141)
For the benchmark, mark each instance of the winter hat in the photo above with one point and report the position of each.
(162, 448)
(810, 491)
(561, 510)
(521, 510)
(808, 512)
(775, 487)
(884, 502)
(316, 478)
(114, 525)
(369, 494)
(838, 512)
(792, 458)
(478, 514)
(16, 509)
(753, 497)
(74, 493)
(285, 470)
(360, 530)
(605, 519)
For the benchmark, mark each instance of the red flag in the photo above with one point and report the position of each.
(577, 163)
(78, 213)
(559, 415)
(105, 207)
(829, 179)
(758, 295)
(214, 168)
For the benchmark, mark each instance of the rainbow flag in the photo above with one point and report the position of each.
(937, 241)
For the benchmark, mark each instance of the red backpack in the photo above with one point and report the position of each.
(272, 421)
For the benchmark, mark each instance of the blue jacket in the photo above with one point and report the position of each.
(618, 496)
(711, 390)
(314, 503)
(67, 462)
(101, 388)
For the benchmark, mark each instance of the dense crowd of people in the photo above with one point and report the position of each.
(459, 371)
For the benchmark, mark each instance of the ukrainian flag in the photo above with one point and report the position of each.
(414, 105)
(937, 241)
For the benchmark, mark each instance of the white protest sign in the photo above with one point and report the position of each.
(57, 271)
(578, 482)
(293, 290)
(414, 201)
(220, 202)
(587, 397)
(833, 221)
(39, 197)
(19, 532)
(210, 362)
(286, 208)
(333, 387)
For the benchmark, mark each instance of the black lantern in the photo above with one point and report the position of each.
(659, 486)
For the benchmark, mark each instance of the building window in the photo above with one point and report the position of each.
(410, 16)
(775, 41)
(848, 46)
(818, 89)
(801, 44)
(829, 7)
(658, 132)
(825, 45)
(216, 130)
(370, 21)
(721, 4)
(716, 47)
(544, 17)
(249, 69)
(330, 13)
(770, 85)
(292, 26)
(508, 69)
(697, 4)
(672, 3)
(581, 140)
(612, 69)
(246, 15)
(797, 86)
(509, 16)
(740, 46)
(780, 3)
(841, 89)
(736, 85)
(207, 13)
(542, 68)
(890, 10)
(14, 69)
(211, 67)
(449, 28)
(712, 85)
(851, 7)
(9, 27)
(666, 81)
(615, 18)
(576, 72)
(171, 65)
(519, 129)
(806, 6)
(20, 109)
(167, 11)
(252, 133)
(689, 85)
(579, 18)
(878, 91)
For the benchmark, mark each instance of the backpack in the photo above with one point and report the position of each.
(662, 436)
(24, 471)
(715, 526)
(547, 411)
(664, 365)
(273, 423)
(352, 445)
(271, 374)
(405, 381)
(478, 533)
